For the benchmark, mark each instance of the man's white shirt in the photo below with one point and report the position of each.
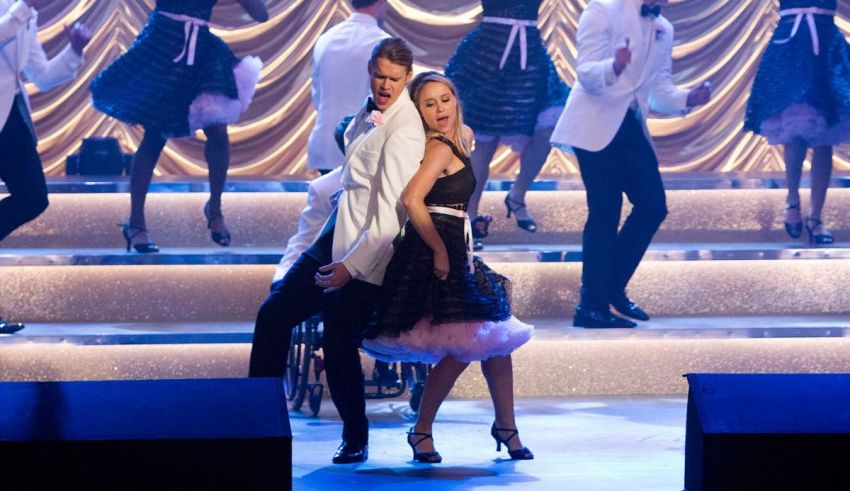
(340, 82)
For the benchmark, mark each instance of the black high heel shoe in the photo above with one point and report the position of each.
(481, 226)
(527, 224)
(220, 238)
(143, 247)
(818, 234)
(423, 457)
(519, 454)
(794, 229)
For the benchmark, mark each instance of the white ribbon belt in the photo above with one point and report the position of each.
(467, 229)
(517, 27)
(191, 27)
(809, 13)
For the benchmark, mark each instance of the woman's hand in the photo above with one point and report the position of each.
(441, 265)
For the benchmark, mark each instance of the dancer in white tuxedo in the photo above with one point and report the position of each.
(340, 274)
(624, 71)
(20, 165)
(339, 82)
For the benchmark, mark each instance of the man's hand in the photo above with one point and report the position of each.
(79, 36)
(622, 57)
(699, 95)
(335, 277)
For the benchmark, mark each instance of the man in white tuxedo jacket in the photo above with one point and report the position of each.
(340, 274)
(20, 166)
(339, 81)
(624, 71)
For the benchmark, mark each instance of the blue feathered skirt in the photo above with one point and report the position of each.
(145, 86)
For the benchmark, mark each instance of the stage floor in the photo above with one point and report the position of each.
(581, 443)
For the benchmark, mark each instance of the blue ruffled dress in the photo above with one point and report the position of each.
(153, 86)
(798, 93)
(508, 100)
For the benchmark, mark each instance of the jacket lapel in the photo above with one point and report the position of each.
(364, 133)
(357, 131)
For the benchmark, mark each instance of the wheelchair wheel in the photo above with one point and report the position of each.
(293, 363)
(298, 365)
(416, 396)
(315, 402)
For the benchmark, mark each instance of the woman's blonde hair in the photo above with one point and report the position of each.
(415, 88)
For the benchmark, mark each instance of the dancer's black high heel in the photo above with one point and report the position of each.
(519, 454)
(818, 234)
(423, 457)
(220, 238)
(794, 229)
(143, 247)
(481, 226)
(527, 224)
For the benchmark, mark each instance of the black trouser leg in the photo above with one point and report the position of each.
(609, 258)
(20, 169)
(345, 316)
(292, 300)
(604, 202)
(645, 190)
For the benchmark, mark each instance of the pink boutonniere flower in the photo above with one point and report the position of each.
(375, 118)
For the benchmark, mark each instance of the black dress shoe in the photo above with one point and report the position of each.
(601, 318)
(630, 309)
(10, 327)
(349, 453)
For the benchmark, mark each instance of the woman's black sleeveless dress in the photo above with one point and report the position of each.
(468, 315)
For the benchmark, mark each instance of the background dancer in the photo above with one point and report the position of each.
(339, 82)
(624, 66)
(20, 165)
(800, 99)
(177, 78)
(511, 94)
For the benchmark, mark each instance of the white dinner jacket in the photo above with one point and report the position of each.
(340, 82)
(20, 52)
(598, 103)
(379, 162)
(312, 218)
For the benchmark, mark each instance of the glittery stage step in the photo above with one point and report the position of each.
(560, 360)
(229, 287)
(265, 214)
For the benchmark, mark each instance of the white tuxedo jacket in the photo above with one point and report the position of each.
(313, 217)
(598, 103)
(340, 82)
(379, 162)
(20, 52)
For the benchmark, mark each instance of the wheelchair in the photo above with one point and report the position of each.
(305, 364)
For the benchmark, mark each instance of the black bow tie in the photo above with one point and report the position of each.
(371, 106)
(646, 10)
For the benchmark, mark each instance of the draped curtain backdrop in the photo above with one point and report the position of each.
(716, 40)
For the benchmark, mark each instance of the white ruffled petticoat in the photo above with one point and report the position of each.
(465, 341)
